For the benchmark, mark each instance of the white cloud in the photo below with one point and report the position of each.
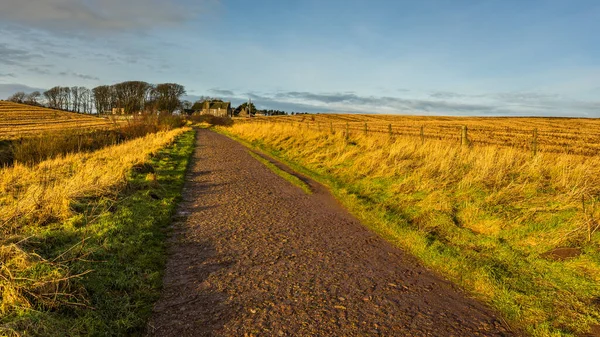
(81, 76)
(454, 104)
(6, 90)
(75, 16)
(14, 56)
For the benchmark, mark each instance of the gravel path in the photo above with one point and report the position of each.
(253, 255)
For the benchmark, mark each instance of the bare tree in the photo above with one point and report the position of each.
(103, 98)
(167, 96)
(75, 99)
(186, 104)
(33, 98)
(131, 95)
(90, 101)
(65, 98)
(18, 97)
(53, 97)
(84, 99)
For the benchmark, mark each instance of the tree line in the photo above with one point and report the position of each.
(253, 110)
(126, 97)
(129, 97)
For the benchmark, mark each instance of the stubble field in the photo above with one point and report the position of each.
(19, 120)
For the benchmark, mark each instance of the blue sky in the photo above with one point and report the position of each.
(434, 57)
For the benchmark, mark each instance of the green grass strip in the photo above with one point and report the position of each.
(122, 246)
(289, 177)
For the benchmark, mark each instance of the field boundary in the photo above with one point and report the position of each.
(460, 132)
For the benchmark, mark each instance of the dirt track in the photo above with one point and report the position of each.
(252, 254)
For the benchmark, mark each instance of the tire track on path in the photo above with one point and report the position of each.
(253, 255)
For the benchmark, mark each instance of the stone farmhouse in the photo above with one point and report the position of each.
(215, 108)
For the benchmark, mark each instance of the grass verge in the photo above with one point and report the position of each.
(112, 251)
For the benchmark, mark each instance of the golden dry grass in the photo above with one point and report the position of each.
(33, 196)
(558, 135)
(45, 191)
(18, 120)
(482, 215)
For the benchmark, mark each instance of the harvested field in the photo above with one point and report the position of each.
(18, 120)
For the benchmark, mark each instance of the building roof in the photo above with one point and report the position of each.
(220, 105)
(210, 105)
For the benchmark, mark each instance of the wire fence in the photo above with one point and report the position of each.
(533, 139)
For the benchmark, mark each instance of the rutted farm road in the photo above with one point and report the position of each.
(252, 254)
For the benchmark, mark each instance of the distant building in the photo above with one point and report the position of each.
(243, 113)
(116, 111)
(215, 108)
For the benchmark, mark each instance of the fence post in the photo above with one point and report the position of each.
(319, 126)
(390, 130)
(534, 142)
(347, 131)
(331, 127)
(366, 129)
(464, 137)
(422, 135)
